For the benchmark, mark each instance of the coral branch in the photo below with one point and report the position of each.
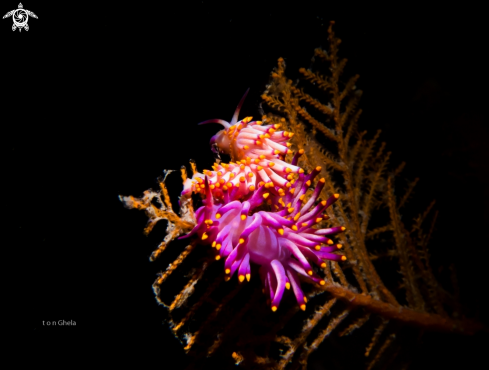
(431, 322)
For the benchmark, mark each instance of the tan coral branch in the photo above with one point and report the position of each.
(431, 322)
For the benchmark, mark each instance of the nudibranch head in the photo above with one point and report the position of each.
(247, 138)
(220, 142)
(282, 241)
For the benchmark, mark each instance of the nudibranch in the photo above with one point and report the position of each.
(283, 242)
(257, 154)
(251, 215)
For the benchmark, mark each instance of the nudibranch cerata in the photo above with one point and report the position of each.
(255, 210)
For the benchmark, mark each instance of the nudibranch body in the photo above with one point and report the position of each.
(282, 242)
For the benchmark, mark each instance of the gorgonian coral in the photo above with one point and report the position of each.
(255, 210)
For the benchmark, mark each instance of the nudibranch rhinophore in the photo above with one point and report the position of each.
(279, 236)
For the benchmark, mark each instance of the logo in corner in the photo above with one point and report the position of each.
(20, 17)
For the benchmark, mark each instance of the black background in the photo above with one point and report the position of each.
(98, 99)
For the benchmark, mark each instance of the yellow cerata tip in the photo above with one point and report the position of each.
(330, 242)
(343, 228)
(274, 308)
(204, 236)
(241, 278)
(343, 258)
(336, 196)
(303, 307)
(241, 240)
(281, 231)
(323, 265)
(266, 195)
(322, 282)
(243, 217)
(218, 216)
(227, 271)
(218, 257)
(339, 246)
(317, 247)
(287, 285)
(248, 277)
(309, 272)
